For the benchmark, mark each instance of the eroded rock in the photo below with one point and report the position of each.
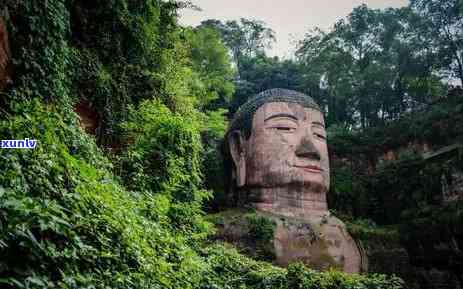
(321, 243)
(88, 117)
(5, 56)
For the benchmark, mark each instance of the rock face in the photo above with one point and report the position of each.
(5, 67)
(88, 117)
(277, 142)
(426, 261)
(321, 243)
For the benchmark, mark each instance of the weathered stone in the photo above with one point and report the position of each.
(321, 243)
(277, 143)
(234, 226)
(455, 192)
(5, 56)
(452, 178)
(89, 119)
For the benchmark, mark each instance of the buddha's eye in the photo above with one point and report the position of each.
(319, 132)
(282, 124)
(283, 128)
(320, 136)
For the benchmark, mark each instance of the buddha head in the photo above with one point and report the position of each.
(278, 157)
(277, 139)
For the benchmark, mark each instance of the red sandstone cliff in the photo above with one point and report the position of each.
(5, 67)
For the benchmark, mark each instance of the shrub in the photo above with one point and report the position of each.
(164, 158)
(228, 269)
(260, 227)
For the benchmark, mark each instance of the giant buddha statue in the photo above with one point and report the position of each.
(279, 161)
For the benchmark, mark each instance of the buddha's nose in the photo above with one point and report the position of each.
(306, 149)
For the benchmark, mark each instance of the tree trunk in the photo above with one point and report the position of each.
(460, 68)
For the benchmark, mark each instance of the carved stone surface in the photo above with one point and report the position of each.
(277, 143)
(321, 242)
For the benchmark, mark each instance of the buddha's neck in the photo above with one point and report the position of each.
(300, 202)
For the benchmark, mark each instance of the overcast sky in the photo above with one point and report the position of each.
(290, 19)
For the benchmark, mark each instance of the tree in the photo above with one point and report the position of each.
(212, 69)
(370, 68)
(445, 24)
(245, 38)
(261, 72)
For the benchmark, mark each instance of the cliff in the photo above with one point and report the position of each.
(401, 187)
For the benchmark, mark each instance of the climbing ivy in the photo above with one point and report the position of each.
(42, 63)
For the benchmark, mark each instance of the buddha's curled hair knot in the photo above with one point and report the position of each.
(243, 117)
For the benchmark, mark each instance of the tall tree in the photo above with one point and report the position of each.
(244, 38)
(368, 66)
(445, 22)
(212, 71)
(261, 72)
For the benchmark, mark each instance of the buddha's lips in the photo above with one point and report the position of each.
(312, 169)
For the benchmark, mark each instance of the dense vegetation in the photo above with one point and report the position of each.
(122, 208)
(367, 70)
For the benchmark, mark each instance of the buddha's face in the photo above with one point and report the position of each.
(287, 147)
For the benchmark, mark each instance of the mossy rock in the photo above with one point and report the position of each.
(249, 231)
(319, 243)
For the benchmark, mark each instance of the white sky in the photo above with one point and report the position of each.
(290, 19)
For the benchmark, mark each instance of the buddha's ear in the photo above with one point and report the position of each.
(238, 153)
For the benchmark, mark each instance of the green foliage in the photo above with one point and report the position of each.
(216, 124)
(160, 141)
(437, 124)
(211, 83)
(368, 70)
(261, 228)
(115, 54)
(441, 26)
(432, 234)
(385, 194)
(129, 51)
(366, 186)
(164, 158)
(245, 38)
(111, 53)
(42, 63)
(66, 221)
(368, 232)
(62, 209)
(370, 67)
(259, 73)
(227, 264)
(212, 165)
(342, 193)
(229, 269)
(250, 232)
(211, 62)
(433, 223)
(299, 277)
